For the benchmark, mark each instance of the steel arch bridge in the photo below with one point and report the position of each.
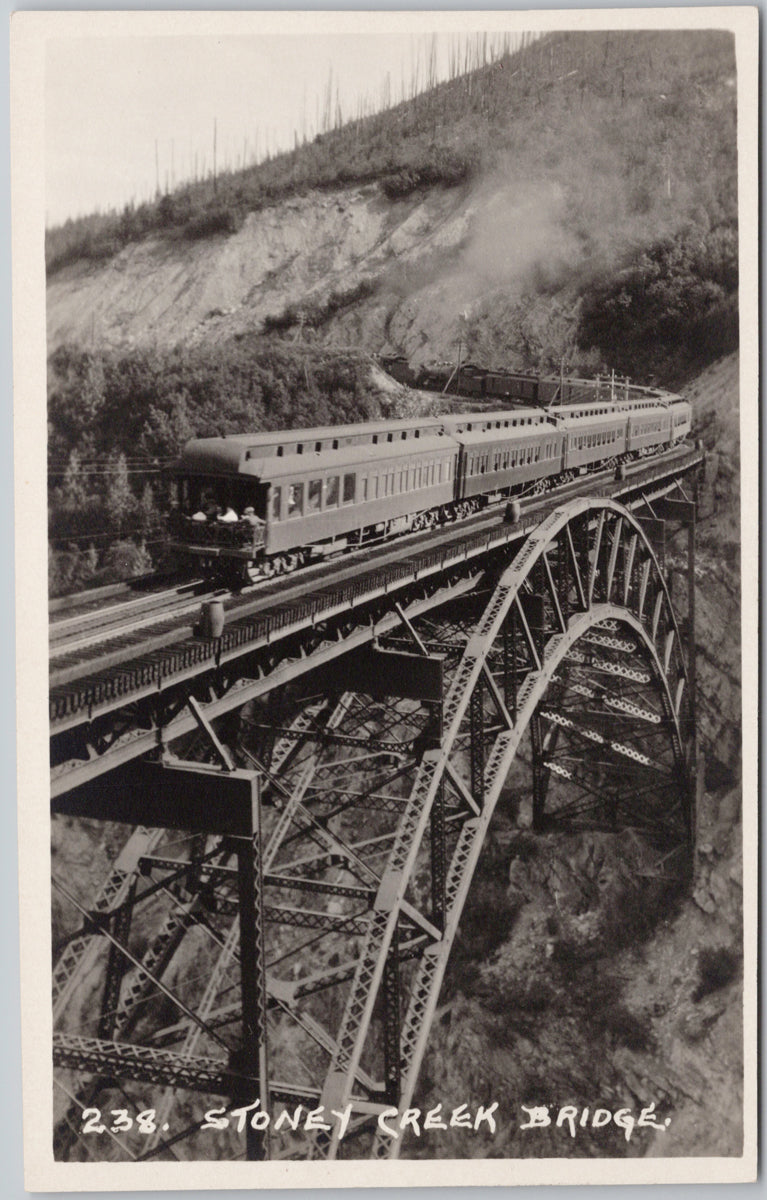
(293, 944)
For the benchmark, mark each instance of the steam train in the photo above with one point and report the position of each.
(248, 506)
(468, 379)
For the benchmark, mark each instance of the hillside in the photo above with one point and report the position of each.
(501, 210)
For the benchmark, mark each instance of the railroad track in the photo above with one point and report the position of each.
(90, 626)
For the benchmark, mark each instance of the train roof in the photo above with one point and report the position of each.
(588, 420)
(225, 456)
(649, 398)
(322, 432)
(502, 437)
(498, 418)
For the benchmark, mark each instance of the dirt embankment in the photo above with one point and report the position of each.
(375, 273)
(299, 252)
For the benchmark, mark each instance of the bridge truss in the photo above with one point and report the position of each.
(279, 942)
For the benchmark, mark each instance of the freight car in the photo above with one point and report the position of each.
(255, 505)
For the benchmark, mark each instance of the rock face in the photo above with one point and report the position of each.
(298, 251)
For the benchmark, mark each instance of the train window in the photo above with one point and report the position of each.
(349, 488)
(317, 447)
(299, 448)
(314, 495)
(375, 439)
(363, 488)
(279, 451)
(404, 434)
(276, 503)
(417, 433)
(331, 492)
(390, 437)
(295, 500)
(335, 443)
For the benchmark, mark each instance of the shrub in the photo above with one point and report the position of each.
(217, 219)
(672, 309)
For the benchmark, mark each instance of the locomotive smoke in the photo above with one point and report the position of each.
(520, 241)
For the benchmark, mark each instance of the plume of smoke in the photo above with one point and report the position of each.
(520, 241)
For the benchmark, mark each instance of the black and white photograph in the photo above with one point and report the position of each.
(386, 393)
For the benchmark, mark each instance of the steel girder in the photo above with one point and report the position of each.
(375, 809)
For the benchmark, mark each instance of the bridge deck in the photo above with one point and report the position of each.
(126, 668)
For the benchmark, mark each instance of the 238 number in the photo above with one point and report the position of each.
(144, 1121)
